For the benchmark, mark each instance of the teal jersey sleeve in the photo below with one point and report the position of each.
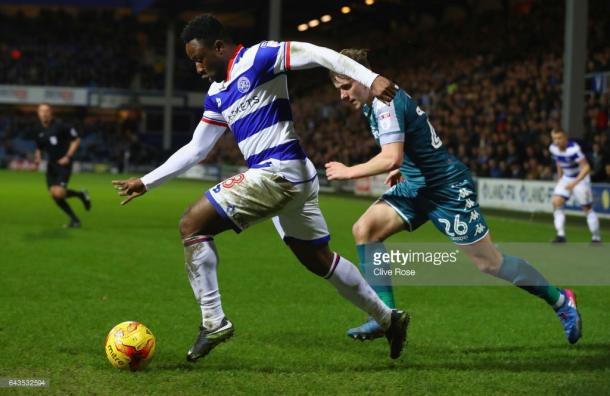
(389, 120)
(425, 159)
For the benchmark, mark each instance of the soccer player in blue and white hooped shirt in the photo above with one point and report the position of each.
(573, 170)
(249, 95)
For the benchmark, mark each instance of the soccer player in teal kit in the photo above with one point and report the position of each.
(439, 188)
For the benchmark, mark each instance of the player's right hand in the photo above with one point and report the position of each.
(130, 188)
(384, 89)
(393, 178)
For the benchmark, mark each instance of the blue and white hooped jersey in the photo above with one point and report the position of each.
(568, 159)
(253, 103)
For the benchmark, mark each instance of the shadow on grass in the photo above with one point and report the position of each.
(553, 358)
(557, 358)
(50, 234)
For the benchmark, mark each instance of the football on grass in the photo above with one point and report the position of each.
(130, 345)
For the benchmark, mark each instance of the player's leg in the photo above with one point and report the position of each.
(304, 230)
(584, 196)
(350, 284)
(198, 226)
(520, 273)
(380, 221)
(343, 275)
(64, 173)
(58, 194)
(57, 180)
(319, 259)
(593, 223)
(82, 195)
(455, 212)
(236, 203)
(560, 195)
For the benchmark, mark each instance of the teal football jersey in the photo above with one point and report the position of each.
(425, 161)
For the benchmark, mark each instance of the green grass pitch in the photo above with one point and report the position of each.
(61, 291)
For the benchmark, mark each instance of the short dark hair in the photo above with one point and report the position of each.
(360, 55)
(205, 29)
(558, 130)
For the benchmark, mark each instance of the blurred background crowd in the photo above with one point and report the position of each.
(492, 101)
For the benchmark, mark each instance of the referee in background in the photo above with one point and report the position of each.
(60, 143)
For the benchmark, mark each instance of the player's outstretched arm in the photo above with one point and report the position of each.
(387, 160)
(130, 188)
(204, 138)
(306, 55)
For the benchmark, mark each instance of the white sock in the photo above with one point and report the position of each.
(593, 223)
(201, 260)
(351, 285)
(559, 220)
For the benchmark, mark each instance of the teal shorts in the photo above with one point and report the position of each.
(453, 208)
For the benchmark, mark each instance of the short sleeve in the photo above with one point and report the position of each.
(68, 132)
(72, 132)
(388, 124)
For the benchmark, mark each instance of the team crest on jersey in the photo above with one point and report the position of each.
(385, 120)
(243, 84)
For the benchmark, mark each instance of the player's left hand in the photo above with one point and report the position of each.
(337, 171)
(130, 188)
(64, 161)
(393, 178)
(570, 186)
(383, 89)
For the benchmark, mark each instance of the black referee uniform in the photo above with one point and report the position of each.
(55, 141)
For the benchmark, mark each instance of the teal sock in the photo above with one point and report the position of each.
(521, 274)
(381, 284)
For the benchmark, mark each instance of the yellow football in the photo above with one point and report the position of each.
(130, 345)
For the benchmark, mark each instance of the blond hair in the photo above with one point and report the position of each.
(360, 55)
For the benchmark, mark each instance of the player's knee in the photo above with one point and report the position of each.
(57, 194)
(488, 264)
(316, 258)
(186, 226)
(361, 232)
(487, 267)
(557, 202)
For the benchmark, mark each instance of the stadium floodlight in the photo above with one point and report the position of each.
(302, 27)
(369, 2)
(313, 23)
(326, 18)
(346, 10)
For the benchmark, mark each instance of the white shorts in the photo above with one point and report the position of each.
(258, 194)
(582, 191)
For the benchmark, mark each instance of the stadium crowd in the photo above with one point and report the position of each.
(492, 101)
(493, 106)
(109, 140)
(93, 48)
